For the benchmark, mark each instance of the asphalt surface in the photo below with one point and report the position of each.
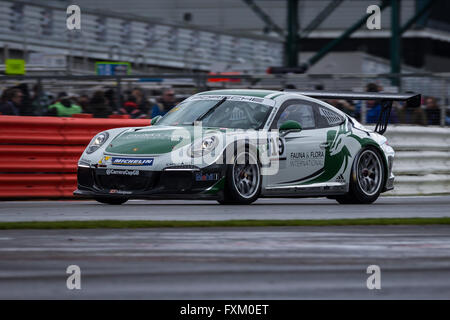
(317, 208)
(227, 263)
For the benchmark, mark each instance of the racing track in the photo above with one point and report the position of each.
(286, 209)
(227, 263)
(326, 262)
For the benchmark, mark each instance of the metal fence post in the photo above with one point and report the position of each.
(445, 90)
(363, 112)
(118, 93)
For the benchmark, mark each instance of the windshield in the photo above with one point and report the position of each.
(218, 113)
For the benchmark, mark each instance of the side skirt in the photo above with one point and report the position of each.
(316, 189)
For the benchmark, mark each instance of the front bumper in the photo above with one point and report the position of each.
(171, 183)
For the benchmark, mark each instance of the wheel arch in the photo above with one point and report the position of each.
(376, 147)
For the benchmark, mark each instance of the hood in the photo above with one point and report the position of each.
(152, 140)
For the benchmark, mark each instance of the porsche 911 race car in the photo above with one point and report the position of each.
(235, 146)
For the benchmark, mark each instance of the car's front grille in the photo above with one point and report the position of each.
(125, 182)
(176, 181)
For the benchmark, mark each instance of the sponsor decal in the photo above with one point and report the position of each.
(105, 159)
(147, 135)
(114, 191)
(340, 178)
(206, 177)
(301, 159)
(122, 172)
(132, 161)
(235, 98)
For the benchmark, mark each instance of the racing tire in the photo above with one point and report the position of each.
(243, 179)
(367, 178)
(111, 201)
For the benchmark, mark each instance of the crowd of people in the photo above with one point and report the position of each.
(18, 100)
(429, 113)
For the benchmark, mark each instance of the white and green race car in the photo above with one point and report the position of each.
(235, 146)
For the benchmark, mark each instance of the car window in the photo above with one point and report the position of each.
(302, 113)
(329, 118)
(214, 113)
(237, 114)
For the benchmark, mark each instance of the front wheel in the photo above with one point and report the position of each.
(243, 180)
(367, 178)
(112, 201)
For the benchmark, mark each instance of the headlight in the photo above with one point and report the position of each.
(203, 147)
(97, 142)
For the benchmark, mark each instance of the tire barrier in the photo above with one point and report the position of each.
(38, 155)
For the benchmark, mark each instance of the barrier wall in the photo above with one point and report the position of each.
(38, 155)
(422, 159)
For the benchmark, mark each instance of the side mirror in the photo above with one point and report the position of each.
(290, 126)
(155, 120)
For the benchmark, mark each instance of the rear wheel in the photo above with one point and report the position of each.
(366, 179)
(243, 180)
(112, 201)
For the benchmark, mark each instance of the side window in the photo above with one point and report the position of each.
(302, 113)
(328, 118)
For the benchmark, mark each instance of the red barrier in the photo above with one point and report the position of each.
(82, 115)
(59, 131)
(119, 116)
(38, 155)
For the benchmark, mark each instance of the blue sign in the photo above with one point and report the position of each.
(112, 68)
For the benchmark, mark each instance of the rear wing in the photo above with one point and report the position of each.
(386, 99)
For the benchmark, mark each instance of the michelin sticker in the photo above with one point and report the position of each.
(132, 161)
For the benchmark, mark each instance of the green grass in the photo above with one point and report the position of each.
(118, 224)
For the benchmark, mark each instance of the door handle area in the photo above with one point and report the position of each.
(324, 145)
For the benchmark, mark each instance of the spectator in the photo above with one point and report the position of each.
(63, 107)
(290, 86)
(373, 107)
(39, 101)
(164, 104)
(413, 115)
(140, 100)
(98, 105)
(111, 99)
(83, 101)
(319, 87)
(131, 108)
(343, 105)
(11, 102)
(433, 112)
(26, 108)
